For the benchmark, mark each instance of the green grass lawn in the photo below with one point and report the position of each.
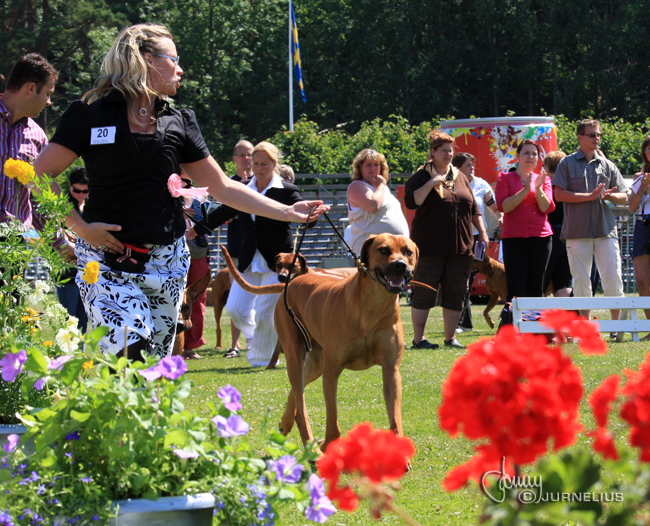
(360, 399)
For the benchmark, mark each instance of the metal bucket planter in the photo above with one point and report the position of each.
(16, 429)
(195, 510)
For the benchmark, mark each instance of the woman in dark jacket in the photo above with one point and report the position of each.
(263, 239)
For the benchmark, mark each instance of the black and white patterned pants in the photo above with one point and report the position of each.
(147, 303)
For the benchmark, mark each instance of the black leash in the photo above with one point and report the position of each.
(355, 258)
(296, 321)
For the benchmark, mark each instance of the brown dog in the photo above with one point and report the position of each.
(354, 323)
(184, 316)
(281, 265)
(495, 283)
(221, 289)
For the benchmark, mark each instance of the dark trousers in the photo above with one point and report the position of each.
(525, 259)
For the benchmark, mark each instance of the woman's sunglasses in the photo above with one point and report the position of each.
(77, 191)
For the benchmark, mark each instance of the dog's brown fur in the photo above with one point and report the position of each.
(281, 265)
(184, 317)
(354, 323)
(495, 283)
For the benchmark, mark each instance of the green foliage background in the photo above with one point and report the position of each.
(364, 62)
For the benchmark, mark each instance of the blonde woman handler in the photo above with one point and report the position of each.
(131, 141)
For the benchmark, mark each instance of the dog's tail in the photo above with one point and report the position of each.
(253, 289)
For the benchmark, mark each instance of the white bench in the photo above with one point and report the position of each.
(634, 325)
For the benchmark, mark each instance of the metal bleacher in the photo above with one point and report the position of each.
(321, 241)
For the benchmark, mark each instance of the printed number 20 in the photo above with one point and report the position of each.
(102, 132)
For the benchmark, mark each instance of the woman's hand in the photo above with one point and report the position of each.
(438, 179)
(527, 182)
(298, 212)
(645, 183)
(98, 235)
(540, 180)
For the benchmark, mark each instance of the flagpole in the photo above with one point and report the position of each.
(290, 72)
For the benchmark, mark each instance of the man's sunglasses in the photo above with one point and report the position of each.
(592, 135)
(77, 191)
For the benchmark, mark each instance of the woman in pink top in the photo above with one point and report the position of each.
(525, 198)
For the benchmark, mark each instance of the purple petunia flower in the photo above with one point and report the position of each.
(86, 479)
(40, 383)
(286, 469)
(12, 364)
(41, 489)
(151, 374)
(5, 519)
(57, 363)
(73, 436)
(12, 443)
(181, 453)
(172, 367)
(234, 426)
(230, 397)
(321, 507)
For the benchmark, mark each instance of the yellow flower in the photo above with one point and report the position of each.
(48, 343)
(34, 330)
(91, 272)
(21, 170)
(88, 365)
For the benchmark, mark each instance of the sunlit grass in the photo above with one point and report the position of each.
(360, 399)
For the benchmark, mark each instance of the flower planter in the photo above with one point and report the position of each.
(195, 510)
(16, 429)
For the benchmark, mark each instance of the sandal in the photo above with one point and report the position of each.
(232, 353)
(188, 354)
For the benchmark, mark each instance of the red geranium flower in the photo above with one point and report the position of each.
(602, 397)
(516, 392)
(636, 409)
(377, 455)
(585, 331)
(604, 443)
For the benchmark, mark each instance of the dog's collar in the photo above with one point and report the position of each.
(361, 266)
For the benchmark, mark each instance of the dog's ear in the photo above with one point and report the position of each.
(365, 249)
(302, 262)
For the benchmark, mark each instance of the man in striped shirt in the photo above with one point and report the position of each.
(27, 92)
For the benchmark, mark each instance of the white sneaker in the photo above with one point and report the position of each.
(459, 330)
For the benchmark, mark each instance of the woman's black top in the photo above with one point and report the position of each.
(128, 182)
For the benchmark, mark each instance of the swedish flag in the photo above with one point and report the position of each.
(296, 54)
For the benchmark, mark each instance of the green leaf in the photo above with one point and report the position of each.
(44, 414)
(79, 417)
(36, 362)
(96, 335)
(177, 437)
(256, 463)
(48, 461)
(286, 494)
(71, 370)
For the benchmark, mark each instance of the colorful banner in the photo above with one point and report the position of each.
(494, 141)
